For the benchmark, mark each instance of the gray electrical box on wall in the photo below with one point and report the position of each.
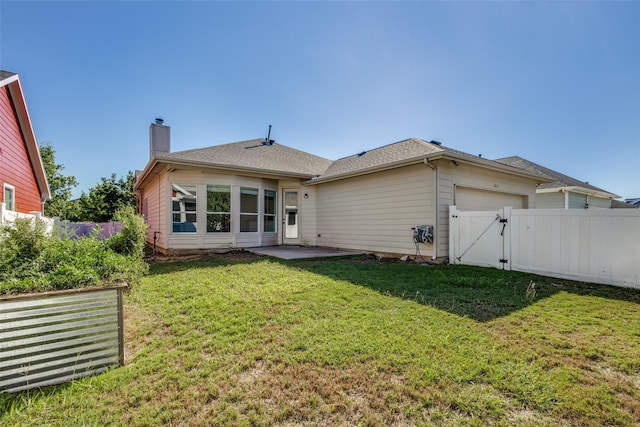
(423, 233)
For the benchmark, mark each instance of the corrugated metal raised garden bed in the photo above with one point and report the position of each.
(55, 337)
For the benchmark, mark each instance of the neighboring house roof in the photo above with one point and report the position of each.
(253, 155)
(617, 204)
(560, 181)
(412, 150)
(12, 81)
(634, 202)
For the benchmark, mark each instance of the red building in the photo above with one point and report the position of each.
(23, 182)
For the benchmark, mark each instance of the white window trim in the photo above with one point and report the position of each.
(4, 194)
(183, 212)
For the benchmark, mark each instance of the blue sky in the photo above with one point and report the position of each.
(557, 83)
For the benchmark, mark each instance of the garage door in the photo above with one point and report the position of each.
(472, 199)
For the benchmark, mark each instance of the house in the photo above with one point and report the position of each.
(563, 192)
(259, 193)
(634, 202)
(22, 175)
(619, 204)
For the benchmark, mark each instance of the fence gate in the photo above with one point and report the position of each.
(480, 238)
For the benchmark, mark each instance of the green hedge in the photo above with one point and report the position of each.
(33, 261)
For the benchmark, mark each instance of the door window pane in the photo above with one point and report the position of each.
(291, 199)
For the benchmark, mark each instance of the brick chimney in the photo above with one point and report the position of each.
(159, 139)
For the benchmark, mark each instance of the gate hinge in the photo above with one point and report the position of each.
(504, 220)
(504, 260)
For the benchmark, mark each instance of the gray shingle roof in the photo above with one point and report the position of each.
(396, 153)
(254, 155)
(560, 180)
(388, 154)
(6, 74)
(619, 204)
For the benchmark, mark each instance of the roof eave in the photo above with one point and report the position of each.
(144, 174)
(491, 165)
(17, 97)
(579, 190)
(183, 162)
(378, 168)
(8, 80)
(487, 164)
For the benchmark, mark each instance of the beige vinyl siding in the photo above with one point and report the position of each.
(599, 202)
(375, 212)
(473, 177)
(550, 200)
(472, 199)
(577, 201)
(155, 200)
(556, 200)
(308, 216)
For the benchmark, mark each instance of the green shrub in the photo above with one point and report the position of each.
(32, 261)
(131, 240)
(22, 242)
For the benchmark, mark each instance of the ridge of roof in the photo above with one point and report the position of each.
(559, 179)
(254, 154)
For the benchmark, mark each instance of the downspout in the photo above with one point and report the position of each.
(436, 206)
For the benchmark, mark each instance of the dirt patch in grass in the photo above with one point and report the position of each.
(306, 394)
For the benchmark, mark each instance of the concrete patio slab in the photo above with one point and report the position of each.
(300, 252)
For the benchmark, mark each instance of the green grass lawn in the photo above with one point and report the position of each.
(242, 340)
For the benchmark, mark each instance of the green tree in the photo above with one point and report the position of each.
(60, 186)
(106, 198)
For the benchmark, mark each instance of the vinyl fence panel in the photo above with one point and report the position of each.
(56, 337)
(594, 245)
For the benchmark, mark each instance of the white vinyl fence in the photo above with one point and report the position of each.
(591, 245)
(7, 217)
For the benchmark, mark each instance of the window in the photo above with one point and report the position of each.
(269, 211)
(218, 209)
(248, 210)
(9, 197)
(183, 207)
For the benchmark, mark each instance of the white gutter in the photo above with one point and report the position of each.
(579, 190)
